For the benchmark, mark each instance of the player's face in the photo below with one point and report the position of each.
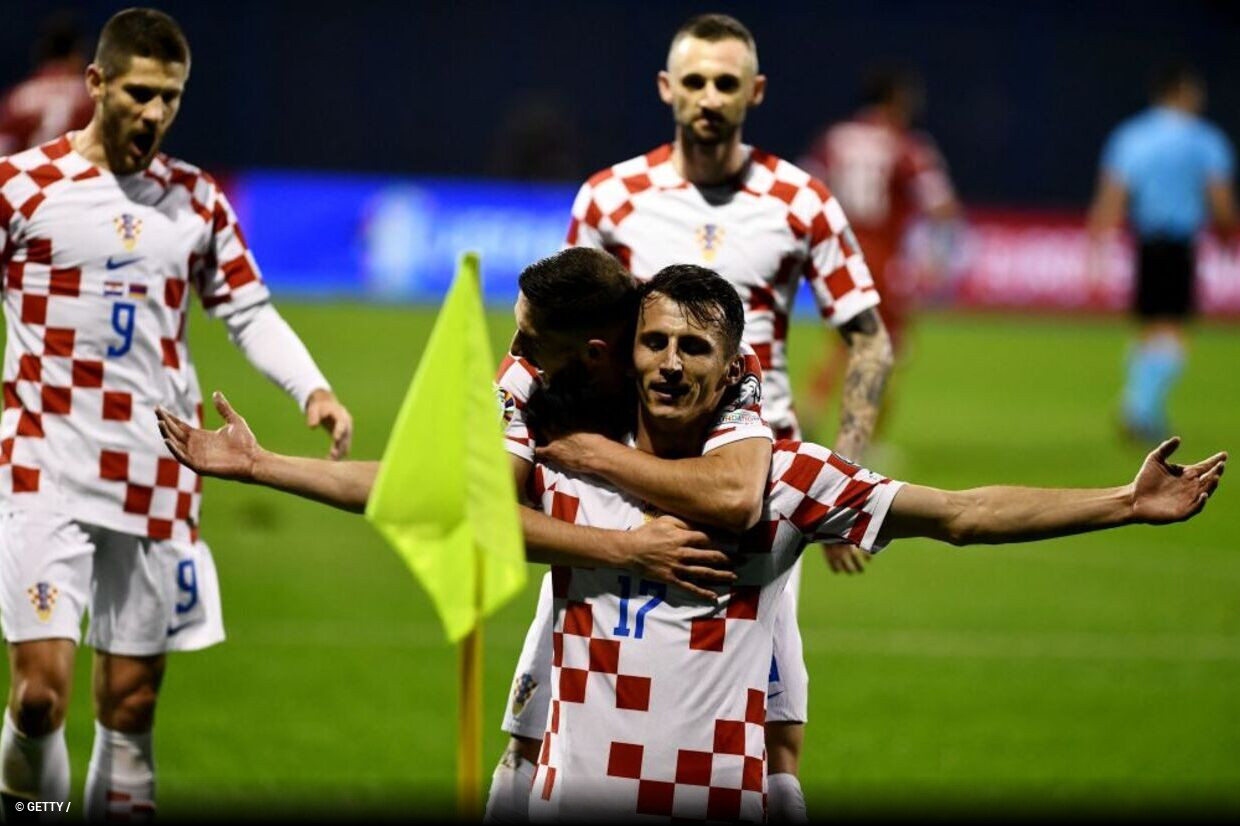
(682, 368)
(548, 352)
(710, 85)
(135, 109)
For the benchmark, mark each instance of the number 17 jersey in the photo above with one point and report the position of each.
(658, 697)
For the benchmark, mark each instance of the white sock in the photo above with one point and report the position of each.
(120, 782)
(785, 803)
(34, 768)
(509, 798)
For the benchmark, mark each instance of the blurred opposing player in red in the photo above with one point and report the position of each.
(884, 174)
(53, 99)
(103, 239)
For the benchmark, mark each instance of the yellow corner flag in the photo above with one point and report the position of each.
(444, 496)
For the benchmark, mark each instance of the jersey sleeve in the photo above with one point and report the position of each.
(584, 228)
(827, 498)
(929, 185)
(741, 417)
(515, 382)
(836, 269)
(226, 276)
(1115, 156)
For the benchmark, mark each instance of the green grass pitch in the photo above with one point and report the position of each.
(1099, 671)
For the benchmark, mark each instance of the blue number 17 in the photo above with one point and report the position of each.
(657, 593)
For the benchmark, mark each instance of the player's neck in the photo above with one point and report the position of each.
(708, 164)
(667, 442)
(89, 144)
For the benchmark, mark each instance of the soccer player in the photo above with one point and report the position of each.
(629, 735)
(1170, 171)
(53, 99)
(763, 224)
(103, 239)
(883, 173)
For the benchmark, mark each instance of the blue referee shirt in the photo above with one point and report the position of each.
(1164, 157)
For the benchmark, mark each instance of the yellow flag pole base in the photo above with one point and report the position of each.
(469, 730)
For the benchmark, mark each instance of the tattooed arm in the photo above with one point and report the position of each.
(869, 362)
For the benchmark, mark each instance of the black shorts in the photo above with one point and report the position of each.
(1165, 274)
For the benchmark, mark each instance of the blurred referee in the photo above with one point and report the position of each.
(1170, 171)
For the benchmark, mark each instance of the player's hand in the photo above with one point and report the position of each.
(572, 451)
(667, 550)
(324, 410)
(1163, 492)
(845, 559)
(229, 453)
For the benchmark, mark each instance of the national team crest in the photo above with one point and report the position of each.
(710, 238)
(522, 690)
(43, 598)
(129, 229)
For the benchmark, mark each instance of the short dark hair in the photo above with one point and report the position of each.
(715, 27)
(881, 84)
(706, 298)
(60, 36)
(580, 289)
(1171, 75)
(139, 33)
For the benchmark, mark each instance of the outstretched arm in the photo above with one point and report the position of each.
(723, 488)
(1160, 493)
(232, 452)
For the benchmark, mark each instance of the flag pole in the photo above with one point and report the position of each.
(469, 729)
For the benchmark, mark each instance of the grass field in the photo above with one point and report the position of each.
(1100, 671)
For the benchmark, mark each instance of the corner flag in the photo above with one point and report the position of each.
(444, 497)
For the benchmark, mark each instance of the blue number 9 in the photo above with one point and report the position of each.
(122, 323)
(187, 581)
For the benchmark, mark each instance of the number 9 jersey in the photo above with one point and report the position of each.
(97, 272)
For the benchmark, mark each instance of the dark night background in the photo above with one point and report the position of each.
(1020, 95)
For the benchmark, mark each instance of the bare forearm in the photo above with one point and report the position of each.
(1002, 514)
(869, 363)
(342, 484)
(555, 542)
(723, 489)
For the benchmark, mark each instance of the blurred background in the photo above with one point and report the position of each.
(366, 144)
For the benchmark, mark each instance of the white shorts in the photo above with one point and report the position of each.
(144, 596)
(530, 697)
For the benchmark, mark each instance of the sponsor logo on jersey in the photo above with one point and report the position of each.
(710, 239)
(43, 598)
(129, 229)
(507, 404)
(522, 691)
(117, 263)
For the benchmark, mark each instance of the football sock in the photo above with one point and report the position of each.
(509, 798)
(1153, 367)
(120, 782)
(785, 803)
(33, 768)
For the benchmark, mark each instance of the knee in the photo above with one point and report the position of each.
(131, 711)
(38, 706)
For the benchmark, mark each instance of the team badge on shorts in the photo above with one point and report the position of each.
(43, 598)
(129, 229)
(522, 690)
(507, 404)
(710, 239)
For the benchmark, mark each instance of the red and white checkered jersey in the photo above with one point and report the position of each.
(97, 273)
(517, 379)
(659, 698)
(776, 225)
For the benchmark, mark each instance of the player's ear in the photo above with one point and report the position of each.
(596, 351)
(665, 87)
(736, 370)
(759, 90)
(94, 81)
